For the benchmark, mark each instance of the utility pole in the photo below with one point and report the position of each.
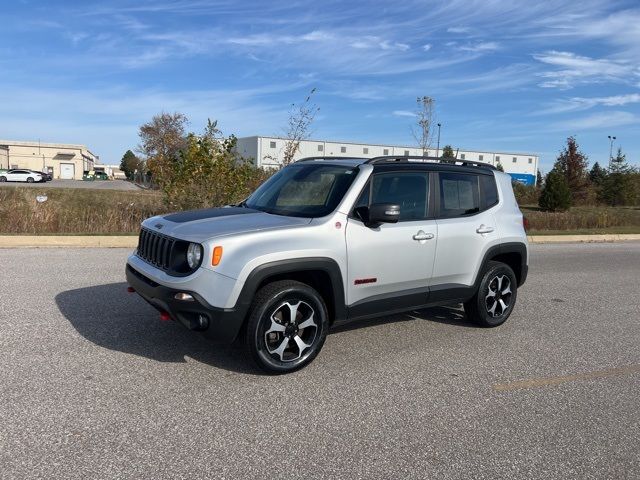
(438, 147)
(611, 139)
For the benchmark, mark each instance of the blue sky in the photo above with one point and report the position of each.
(511, 76)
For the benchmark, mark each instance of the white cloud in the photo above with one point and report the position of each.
(585, 103)
(426, 47)
(479, 47)
(600, 120)
(458, 29)
(403, 113)
(575, 69)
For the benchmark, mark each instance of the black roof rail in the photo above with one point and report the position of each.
(426, 159)
(308, 159)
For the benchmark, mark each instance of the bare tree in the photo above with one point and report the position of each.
(301, 117)
(424, 114)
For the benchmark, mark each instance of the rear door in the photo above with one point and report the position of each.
(390, 266)
(466, 226)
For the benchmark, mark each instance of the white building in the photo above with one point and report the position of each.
(269, 152)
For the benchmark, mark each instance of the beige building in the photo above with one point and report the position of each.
(65, 161)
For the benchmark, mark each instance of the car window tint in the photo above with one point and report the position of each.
(459, 194)
(489, 190)
(407, 189)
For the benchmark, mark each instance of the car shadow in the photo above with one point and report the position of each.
(108, 316)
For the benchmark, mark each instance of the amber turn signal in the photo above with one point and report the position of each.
(217, 256)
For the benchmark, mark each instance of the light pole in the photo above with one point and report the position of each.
(438, 147)
(611, 139)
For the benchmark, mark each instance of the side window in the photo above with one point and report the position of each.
(488, 190)
(459, 194)
(410, 190)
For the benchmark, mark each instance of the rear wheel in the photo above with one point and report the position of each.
(3, 179)
(287, 326)
(30, 180)
(496, 296)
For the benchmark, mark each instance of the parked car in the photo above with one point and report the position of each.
(101, 176)
(329, 240)
(45, 175)
(88, 176)
(19, 175)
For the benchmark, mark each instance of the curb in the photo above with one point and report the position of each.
(126, 241)
(612, 237)
(74, 241)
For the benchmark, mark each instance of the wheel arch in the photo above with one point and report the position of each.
(513, 254)
(322, 274)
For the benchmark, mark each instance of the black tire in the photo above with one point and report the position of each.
(486, 308)
(3, 179)
(264, 339)
(29, 179)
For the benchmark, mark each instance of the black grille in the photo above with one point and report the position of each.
(155, 249)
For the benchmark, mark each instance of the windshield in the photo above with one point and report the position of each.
(303, 190)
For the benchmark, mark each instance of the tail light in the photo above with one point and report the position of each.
(525, 223)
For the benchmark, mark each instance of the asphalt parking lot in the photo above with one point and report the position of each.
(93, 385)
(95, 185)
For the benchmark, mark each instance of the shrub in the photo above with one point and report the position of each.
(555, 195)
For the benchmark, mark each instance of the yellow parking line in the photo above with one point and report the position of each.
(543, 382)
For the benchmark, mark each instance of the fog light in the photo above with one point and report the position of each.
(185, 297)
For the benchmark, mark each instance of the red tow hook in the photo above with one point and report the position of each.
(131, 290)
(165, 317)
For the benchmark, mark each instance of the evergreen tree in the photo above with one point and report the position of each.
(572, 164)
(539, 180)
(618, 186)
(499, 167)
(447, 152)
(555, 195)
(597, 174)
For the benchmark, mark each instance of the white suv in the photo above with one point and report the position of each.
(329, 240)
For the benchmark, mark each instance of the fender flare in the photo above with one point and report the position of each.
(511, 247)
(294, 265)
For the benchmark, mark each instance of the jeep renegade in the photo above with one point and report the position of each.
(328, 240)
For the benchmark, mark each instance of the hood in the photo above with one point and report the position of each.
(201, 225)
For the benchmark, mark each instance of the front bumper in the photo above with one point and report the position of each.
(219, 324)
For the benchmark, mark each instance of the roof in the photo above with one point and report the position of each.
(403, 161)
(23, 143)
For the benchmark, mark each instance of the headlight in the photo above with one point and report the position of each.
(194, 255)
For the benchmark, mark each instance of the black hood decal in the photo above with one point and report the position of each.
(191, 215)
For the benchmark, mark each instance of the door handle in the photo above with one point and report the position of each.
(422, 236)
(484, 229)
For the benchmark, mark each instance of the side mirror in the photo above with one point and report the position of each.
(379, 213)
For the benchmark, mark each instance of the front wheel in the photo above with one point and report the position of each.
(496, 296)
(287, 326)
(29, 180)
(3, 179)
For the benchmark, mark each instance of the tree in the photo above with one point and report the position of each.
(499, 167)
(447, 152)
(130, 163)
(572, 164)
(424, 113)
(162, 139)
(618, 186)
(597, 174)
(301, 117)
(555, 195)
(539, 180)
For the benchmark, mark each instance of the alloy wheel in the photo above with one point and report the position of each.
(291, 330)
(498, 298)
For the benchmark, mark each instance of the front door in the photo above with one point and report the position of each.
(390, 266)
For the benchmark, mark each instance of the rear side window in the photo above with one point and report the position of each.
(459, 194)
(488, 191)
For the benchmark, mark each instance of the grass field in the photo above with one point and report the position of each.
(75, 211)
(87, 212)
